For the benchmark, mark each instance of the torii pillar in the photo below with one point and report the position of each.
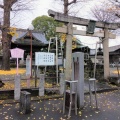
(68, 61)
(106, 53)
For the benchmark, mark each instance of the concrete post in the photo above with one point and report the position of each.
(41, 85)
(62, 83)
(106, 54)
(68, 68)
(17, 87)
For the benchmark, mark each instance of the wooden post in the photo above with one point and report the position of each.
(68, 66)
(106, 54)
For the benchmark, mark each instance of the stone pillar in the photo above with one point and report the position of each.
(106, 53)
(68, 61)
(78, 74)
(41, 85)
(17, 87)
(62, 83)
(28, 65)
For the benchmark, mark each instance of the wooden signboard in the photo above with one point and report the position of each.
(17, 53)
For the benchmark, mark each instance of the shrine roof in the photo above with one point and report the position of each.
(23, 36)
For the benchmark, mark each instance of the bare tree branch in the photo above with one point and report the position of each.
(102, 13)
(116, 4)
(12, 2)
(74, 1)
(1, 6)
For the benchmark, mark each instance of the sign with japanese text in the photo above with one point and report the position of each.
(45, 59)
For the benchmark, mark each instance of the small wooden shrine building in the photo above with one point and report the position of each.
(24, 39)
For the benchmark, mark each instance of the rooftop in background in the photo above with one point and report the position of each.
(113, 48)
(23, 37)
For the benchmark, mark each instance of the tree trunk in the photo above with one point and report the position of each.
(65, 7)
(6, 52)
(6, 38)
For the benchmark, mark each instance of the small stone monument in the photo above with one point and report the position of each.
(28, 70)
(28, 65)
(25, 102)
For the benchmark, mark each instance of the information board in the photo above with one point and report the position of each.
(44, 59)
(17, 53)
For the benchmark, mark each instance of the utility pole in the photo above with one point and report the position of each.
(68, 62)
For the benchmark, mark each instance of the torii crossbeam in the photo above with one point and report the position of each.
(81, 21)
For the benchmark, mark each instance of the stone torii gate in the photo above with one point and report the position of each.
(70, 20)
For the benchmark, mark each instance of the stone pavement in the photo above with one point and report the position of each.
(51, 109)
(108, 109)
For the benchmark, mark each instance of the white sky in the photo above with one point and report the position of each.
(41, 8)
(24, 20)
